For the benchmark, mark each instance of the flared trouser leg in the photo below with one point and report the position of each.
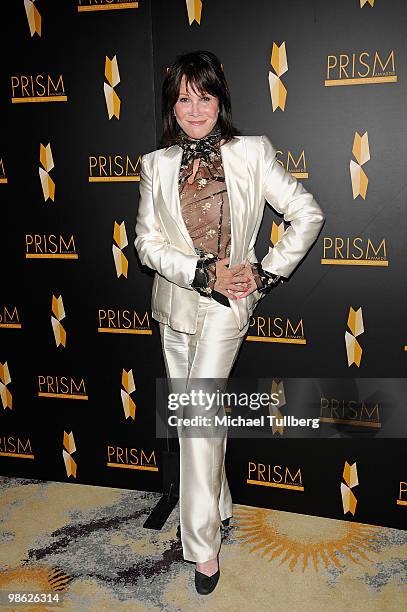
(205, 497)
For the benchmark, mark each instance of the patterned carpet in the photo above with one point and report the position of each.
(88, 543)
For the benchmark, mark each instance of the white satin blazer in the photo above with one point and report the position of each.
(252, 175)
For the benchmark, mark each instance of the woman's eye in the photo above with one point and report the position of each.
(206, 98)
(184, 99)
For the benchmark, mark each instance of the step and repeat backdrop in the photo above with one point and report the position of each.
(80, 92)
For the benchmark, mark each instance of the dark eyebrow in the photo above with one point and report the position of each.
(187, 94)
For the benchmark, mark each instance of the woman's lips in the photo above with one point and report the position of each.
(197, 122)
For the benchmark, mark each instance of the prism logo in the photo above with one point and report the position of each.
(361, 152)
(86, 6)
(355, 324)
(33, 17)
(37, 88)
(194, 10)
(279, 64)
(113, 79)
(120, 242)
(350, 476)
(67, 451)
(128, 387)
(47, 164)
(360, 68)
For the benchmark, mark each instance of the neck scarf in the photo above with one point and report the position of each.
(206, 148)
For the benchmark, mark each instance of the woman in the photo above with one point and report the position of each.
(202, 198)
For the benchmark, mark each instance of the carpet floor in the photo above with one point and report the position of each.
(88, 544)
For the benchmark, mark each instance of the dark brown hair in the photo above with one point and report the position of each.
(204, 71)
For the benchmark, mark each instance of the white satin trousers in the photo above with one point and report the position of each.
(205, 497)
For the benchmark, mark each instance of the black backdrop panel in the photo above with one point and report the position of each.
(85, 412)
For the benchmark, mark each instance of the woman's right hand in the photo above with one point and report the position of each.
(230, 279)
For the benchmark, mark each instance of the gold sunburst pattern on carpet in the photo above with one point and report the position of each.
(34, 579)
(300, 539)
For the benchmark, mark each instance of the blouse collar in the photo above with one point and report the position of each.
(206, 147)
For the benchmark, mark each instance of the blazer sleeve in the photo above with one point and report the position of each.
(154, 251)
(299, 207)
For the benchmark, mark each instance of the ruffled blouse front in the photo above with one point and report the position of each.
(204, 201)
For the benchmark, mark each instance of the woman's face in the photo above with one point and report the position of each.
(195, 113)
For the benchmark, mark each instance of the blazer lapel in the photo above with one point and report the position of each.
(236, 178)
(168, 168)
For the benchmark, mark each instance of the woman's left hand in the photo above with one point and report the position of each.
(249, 286)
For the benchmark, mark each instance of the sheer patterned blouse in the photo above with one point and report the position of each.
(205, 207)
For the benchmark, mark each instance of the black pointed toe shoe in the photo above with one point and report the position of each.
(206, 584)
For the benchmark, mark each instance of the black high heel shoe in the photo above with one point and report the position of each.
(205, 584)
(225, 523)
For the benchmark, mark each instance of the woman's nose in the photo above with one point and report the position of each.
(194, 110)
